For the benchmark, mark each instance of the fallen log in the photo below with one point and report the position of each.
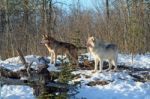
(4, 72)
(41, 80)
(10, 81)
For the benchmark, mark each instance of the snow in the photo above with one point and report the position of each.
(52, 68)
(17, 92)
(121, 84)
(141, 61)
(112, 91)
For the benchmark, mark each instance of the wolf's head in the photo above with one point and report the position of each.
(90, 41)
(45, 39)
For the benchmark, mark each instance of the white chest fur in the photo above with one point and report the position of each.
(49, 49)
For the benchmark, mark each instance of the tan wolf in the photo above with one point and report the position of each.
(102, 51)
(56, 47)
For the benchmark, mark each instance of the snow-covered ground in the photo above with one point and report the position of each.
(121, 85)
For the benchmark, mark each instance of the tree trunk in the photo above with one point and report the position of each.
(107, 8)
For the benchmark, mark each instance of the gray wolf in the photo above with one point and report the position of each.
(56, 47)
(102, 51)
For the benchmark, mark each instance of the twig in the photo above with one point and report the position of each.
(22, 58)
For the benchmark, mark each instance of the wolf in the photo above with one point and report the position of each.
(102, 51)
(56, 47)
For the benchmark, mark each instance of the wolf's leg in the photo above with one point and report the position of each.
(101, 65)
(75, 61)
(74, 56)
(96, 64)
(70, 59)
(110, 65)
(53, 58)
(114, 62)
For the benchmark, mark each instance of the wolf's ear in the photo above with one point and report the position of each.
(46, 35)
(43, 35)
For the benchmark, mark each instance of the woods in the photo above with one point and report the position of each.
(124, 22)
(114, 63)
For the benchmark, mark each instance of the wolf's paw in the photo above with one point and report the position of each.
(52, 62)
(94, 71)
(100, 71)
